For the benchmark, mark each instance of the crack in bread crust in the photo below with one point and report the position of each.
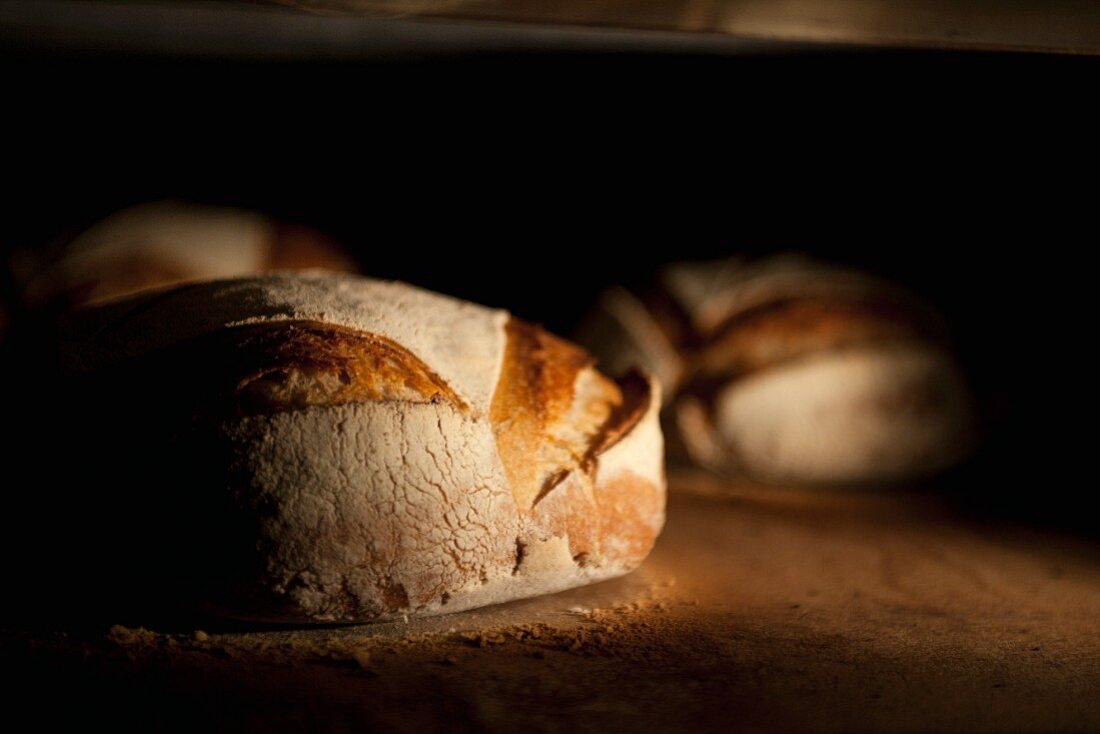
(296, 364)
(552, 412)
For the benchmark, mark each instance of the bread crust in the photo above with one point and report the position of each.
(736, 328)
(295, 364)
(168, 242)
(396, 451)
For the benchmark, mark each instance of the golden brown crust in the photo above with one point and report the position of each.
(551, 411)
(534, 390)
(538, 374)
(288, 365)
(785, 330)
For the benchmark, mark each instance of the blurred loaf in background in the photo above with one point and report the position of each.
(167, 242)
(793, 370)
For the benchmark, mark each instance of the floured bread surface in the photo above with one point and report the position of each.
(461, 341)
(398, 452)
(834, 414)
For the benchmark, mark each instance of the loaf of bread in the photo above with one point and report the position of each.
(370, 449)
(166, 242)
(789, 369)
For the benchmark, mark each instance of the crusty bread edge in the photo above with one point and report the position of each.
(548, 566)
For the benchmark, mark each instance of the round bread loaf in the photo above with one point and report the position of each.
(788, 369)
(383, 450)
(169, 242)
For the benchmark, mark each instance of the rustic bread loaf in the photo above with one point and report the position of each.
(388, 450)
(168, 242)
(793, 370)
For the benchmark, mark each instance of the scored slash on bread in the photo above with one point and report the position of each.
(296, 364)
(394, 451)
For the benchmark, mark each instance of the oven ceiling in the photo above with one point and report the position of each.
(334, 29)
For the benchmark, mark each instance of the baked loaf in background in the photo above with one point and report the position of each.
(166, 242)
(337, 448)
(792, 370)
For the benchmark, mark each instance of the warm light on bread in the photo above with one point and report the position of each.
(393, 451)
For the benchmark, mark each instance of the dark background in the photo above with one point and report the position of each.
(533, 181)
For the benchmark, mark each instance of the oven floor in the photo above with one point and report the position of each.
(760, 609)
